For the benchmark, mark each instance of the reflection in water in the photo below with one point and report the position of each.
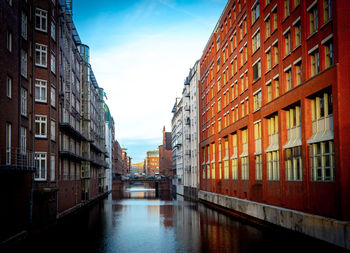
(137, 221)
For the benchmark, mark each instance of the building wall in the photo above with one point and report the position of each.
(259, 133)
(152, 161)
(165, 155)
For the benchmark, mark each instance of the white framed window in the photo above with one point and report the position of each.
(9, 41)
(9, 87)
(40, 126)
(294, 163)
(322, 161)
(53, 96)
(40, 55)
(53, 130)
(23, 102)
(24, 26)
(258, 167)
(53, 30)
(40, 166)
(23, 63)
(314, 62)
(23, 140)
(40, 20)
(52, 168)
(8, 142)
(40, 91)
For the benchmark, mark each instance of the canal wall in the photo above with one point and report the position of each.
(323, 228)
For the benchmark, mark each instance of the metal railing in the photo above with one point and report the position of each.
(17, 158)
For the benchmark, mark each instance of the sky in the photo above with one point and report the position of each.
(141, 52)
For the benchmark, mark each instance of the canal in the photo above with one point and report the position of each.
(137, 221)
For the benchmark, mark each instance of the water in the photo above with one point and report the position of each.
(138, 221)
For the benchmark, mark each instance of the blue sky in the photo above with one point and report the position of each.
(141, 51)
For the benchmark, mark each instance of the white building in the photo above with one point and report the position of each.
(185, 131)
(176, 143)
(109, 135)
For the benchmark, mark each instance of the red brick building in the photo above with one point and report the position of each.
(165, 155)
(273, 98)
(16, 116)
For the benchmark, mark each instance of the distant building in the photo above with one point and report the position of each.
(165, 158)
(152, 163)
(177, 145)
(109, 135)
(138, 167)
(118, 163)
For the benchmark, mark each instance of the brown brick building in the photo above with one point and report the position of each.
(165, 155)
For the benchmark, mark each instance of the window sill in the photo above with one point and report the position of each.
(285, 57)
(325, 24)
(311, 35)
(40, 102)
(41, 137)
(41, 66)
(40, 30)
(296, 48)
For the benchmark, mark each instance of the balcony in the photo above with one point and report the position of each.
(67, 125)
(69, 153)
(17, 159)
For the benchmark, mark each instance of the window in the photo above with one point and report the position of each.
(288, 75)
(40, 126)
(257, 100)
(52, 168)
(277, 87)
(234, 161)
(313, 19)
(287, 43)
(23, 63)
(53, 30)
(9, 41)
(314, 61)
(327, 10)
(213, 163)
(268, 60)
(245, 49)
(256, 41)
(272, 153)
(256, 70)
(41, 55)
(275, 20)
(217, 44)
(8, 142)
(23, 102)
(53, 130)
(218, 64)
(258, 167)
(268, 27)
(272, 165)
(24, 26)
(286, 8)
(296, 3)
(53, 97)
(23, 140)
(40, 165)
(53, 63)
(275, 53)
(322, 161)
(329, 54)
(298, 73)
(40, 91)
(297, 34)
(321, 106)
(219, 125)
(255, 11)
(244, 156)
(41, 20)
(269, 92)
(9, 87)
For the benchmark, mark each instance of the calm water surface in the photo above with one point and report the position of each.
(138, 221)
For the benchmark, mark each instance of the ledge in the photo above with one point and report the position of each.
(327, 229)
